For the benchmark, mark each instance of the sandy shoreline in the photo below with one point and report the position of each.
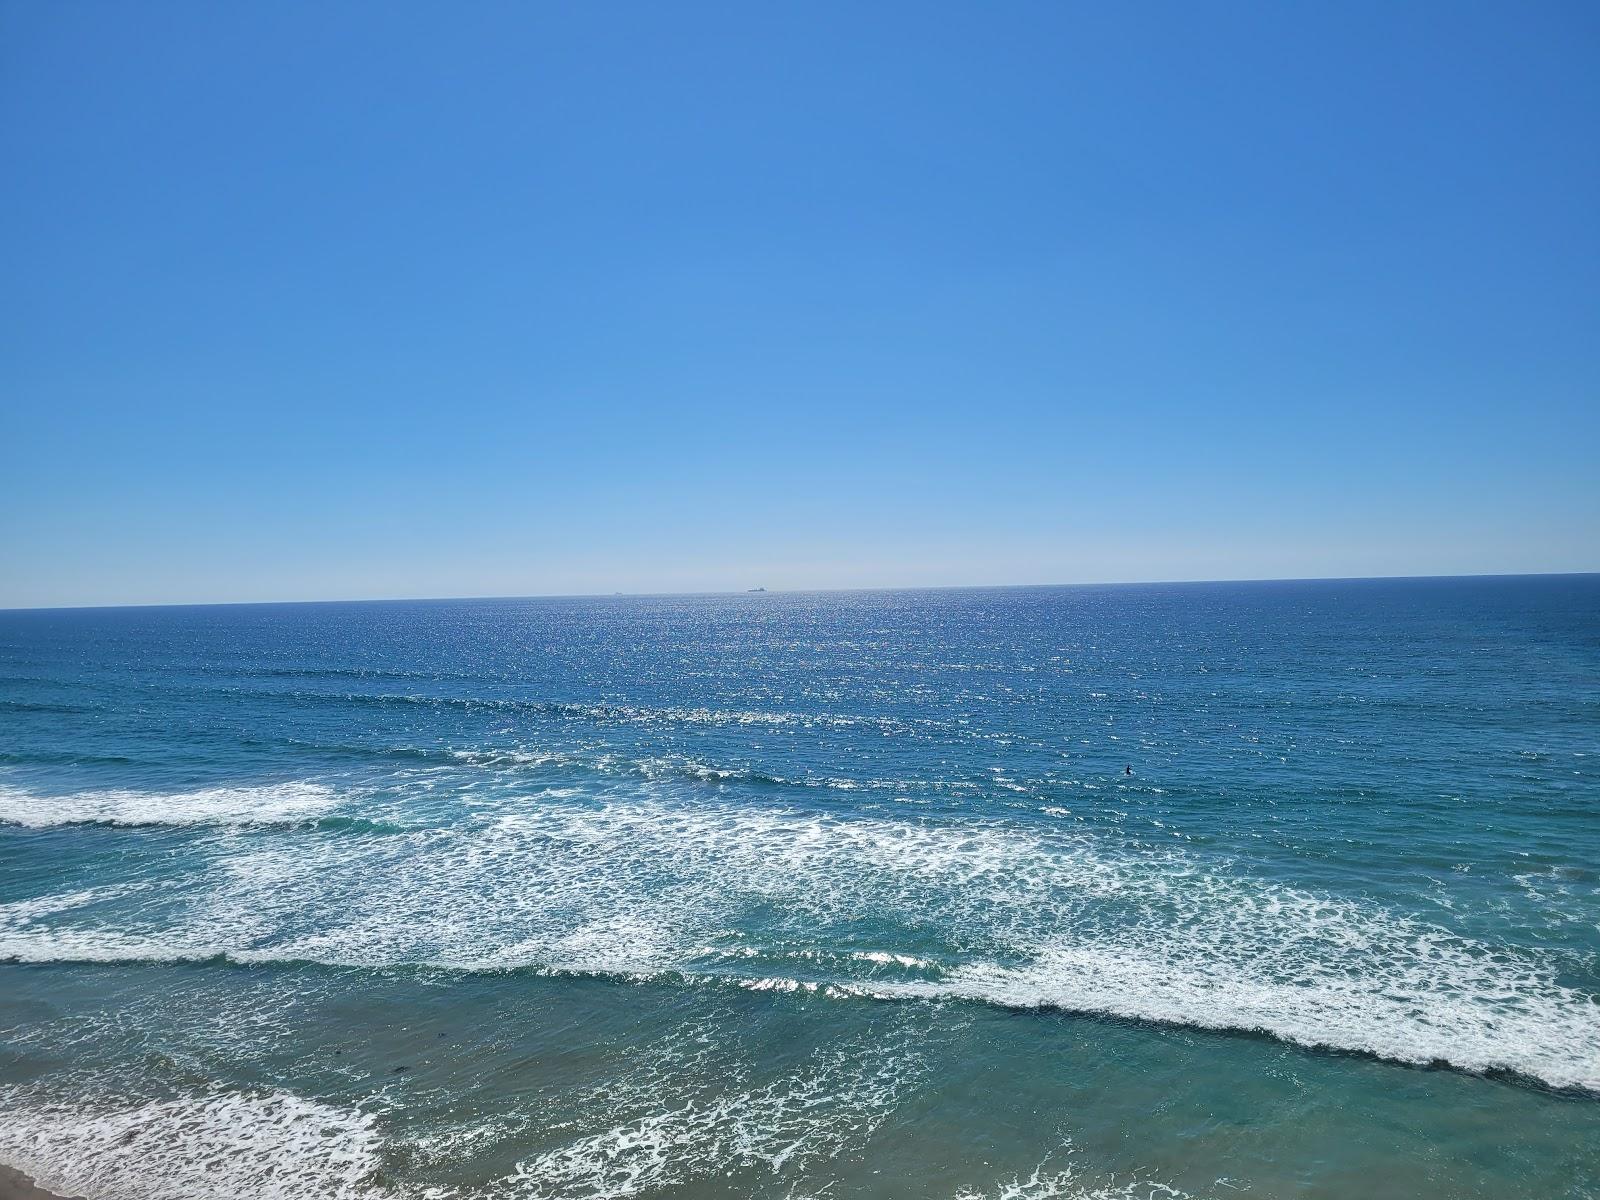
(14, 1185)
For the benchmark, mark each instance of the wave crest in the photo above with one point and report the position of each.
(265, 804)
(890, 908)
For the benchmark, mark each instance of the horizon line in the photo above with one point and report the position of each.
(758, 590)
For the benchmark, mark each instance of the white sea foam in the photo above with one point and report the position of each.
(1431, 1001)
(295, 801)
(1060, 1178)
(272, 1146)
(1045, 1183)
(687, 1112)
(812, 1116)
(1027, 918)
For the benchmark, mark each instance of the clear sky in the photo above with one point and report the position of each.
(346, 300)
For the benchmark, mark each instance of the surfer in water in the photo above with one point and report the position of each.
(1127, 770)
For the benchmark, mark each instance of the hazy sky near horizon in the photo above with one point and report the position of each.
(306, 301)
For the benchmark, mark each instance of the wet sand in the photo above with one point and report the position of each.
(14, 1185)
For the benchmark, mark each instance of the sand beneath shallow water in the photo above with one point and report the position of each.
(14, 1185)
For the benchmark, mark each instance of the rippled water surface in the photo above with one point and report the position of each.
(821, 895)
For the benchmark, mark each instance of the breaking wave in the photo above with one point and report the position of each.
(266, 804)
(848, 907)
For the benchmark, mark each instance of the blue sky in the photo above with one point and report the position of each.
(318, 301)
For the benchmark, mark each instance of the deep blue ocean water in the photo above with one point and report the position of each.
(818, 895)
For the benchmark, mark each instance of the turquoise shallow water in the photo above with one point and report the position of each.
(809, 895)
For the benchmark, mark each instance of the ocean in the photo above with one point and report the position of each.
(1198, 890)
